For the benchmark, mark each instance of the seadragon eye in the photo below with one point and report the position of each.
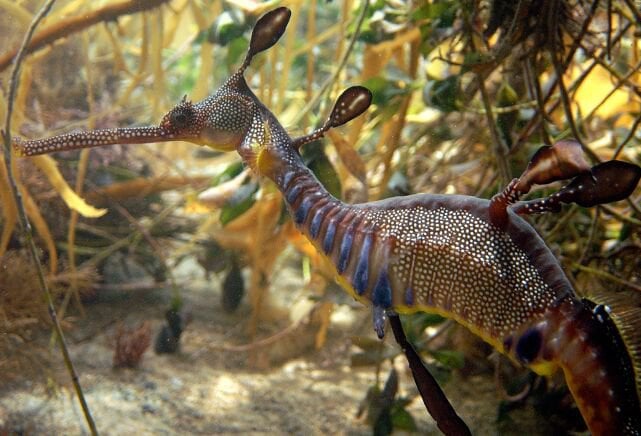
(180, 118)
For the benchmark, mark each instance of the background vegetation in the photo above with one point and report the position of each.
(464, 92)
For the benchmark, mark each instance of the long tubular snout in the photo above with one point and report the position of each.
(93, 138)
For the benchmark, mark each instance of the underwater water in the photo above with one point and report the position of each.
(189, 300)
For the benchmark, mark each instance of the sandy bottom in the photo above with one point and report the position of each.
(209, 389)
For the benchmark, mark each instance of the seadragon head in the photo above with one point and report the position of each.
(232, 118)
(221, 121)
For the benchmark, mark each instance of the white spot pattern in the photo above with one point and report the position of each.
(455, 261)
(71, 141)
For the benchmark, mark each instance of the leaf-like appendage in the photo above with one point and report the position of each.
(268, 30)
(561, 161)
(350, 104)
(608, 182)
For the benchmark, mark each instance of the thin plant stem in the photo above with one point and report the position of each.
(500, 149)
(533, 81)
(83, 162)
(606, 276)
(24, 221)
(65, 27)
(631, 134)
(330, 80)
(158, 251)
(634, 9)
(621, 217)
(540, 116)
(591, 238)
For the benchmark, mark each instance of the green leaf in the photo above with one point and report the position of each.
(229, 173)
(402, 420)
(385, 91)
(449, 358)
(377, 86)
(186, 69)
(441, 12)
(625, 232)
(415, 324)
(446, 15)
(228, 26)
(239, 203)
(443, 94)
(235, 51)
(370, 31)
(383, 425)
(422, 12)
(403, 402)
(473, 61)
(441, 374)
(506, 121)
(503, 414)
(317, 161)
(390, 389)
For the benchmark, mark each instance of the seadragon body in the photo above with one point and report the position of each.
(473, 260)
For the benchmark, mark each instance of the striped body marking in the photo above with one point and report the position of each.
(417, 253)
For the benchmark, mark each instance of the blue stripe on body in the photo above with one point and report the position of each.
(292, 194)
(382, 294)
(346, 247)
(361, 274)
(287, 178)
(409, 296)
(303, 209)
(317, 220)
(330, 233)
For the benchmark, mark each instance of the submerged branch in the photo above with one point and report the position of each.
(66, 27)
(24, 221)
